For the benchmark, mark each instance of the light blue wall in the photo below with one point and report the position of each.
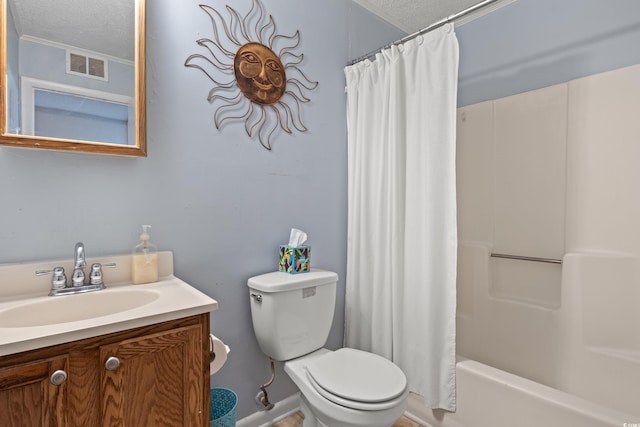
(46, 62)
(218, 199)
(531, 44)
(27, 58)
(369, 37)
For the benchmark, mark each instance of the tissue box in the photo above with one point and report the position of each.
(295, 259)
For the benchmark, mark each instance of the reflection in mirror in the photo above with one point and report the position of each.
(73, 75)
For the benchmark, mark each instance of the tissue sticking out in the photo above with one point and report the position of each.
(295, 257)
(297, 237)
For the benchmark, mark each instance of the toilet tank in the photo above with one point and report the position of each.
(292, 313)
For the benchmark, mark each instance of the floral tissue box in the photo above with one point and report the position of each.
(295, 259)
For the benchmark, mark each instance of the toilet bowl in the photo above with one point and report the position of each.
(292, 317)
(348, 387)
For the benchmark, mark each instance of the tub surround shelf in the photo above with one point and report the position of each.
(629, 355)
(527, 258)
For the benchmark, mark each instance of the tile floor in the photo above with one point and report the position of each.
(295, 420)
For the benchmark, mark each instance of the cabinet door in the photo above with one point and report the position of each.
(155, 380)
(28, 397)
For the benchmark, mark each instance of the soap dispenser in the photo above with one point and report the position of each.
(144, 264)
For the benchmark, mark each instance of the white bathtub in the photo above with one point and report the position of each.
(548, 344)
(544, 345)
(489, 397)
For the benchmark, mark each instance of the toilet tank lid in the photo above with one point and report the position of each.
(280, 282)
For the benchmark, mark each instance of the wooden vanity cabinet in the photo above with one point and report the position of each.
(28, 397)
(152, 376)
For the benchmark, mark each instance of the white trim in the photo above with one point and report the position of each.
(77, 49)
(416, 410)
(284, 408)
(29, 85)
(280, 411)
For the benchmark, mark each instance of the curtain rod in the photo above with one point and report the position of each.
(431, 27)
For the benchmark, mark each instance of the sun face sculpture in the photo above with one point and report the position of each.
(253, 83)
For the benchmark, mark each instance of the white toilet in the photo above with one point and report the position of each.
(292, 316)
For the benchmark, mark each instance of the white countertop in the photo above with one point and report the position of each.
(170, 299)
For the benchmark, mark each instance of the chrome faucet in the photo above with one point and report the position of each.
(77, 278)
(59, 280)
(79, 256)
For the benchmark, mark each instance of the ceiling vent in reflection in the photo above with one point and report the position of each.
(85, 65)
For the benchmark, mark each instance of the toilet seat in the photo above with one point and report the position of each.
(357, 379)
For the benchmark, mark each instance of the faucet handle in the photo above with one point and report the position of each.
(58, 280)
(95, 277)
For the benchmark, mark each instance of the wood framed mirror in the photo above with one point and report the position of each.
(73, 75)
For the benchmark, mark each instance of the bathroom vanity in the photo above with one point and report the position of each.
(128, 355)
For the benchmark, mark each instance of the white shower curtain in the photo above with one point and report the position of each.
(402, 235)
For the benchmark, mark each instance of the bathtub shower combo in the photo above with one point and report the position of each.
(552, 174)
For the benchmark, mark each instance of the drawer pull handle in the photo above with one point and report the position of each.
(112, 363)
(58, 377)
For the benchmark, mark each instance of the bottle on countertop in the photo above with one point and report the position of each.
(144, 263)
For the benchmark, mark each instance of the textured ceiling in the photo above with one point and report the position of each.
(414, 15)
(101, 26)
(106, 26)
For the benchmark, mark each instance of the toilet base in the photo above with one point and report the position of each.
(319, 412)
(310, 419)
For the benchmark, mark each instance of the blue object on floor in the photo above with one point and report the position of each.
(223, 407)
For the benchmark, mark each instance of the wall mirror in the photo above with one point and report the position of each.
(73, 75)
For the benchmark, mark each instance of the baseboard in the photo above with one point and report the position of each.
(416, 411)
(281, 410)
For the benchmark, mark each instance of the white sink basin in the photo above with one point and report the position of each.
(72, 308)
(29, 319)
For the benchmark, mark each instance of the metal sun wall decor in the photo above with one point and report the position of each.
(256, 85)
